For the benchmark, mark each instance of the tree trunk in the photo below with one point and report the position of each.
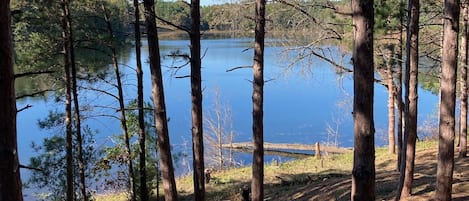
(444, 175)
(391, 113)
(123, 119)
(68, 102)
(363, 174)
(219, 137)
(161, 122)
(81, 163)
(464, 63)
(411, 85)
(141, 114)
(257, 185)
(196, 92)
(231, 152)
(399, 102)
(10, 182)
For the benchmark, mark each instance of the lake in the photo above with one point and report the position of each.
(299, 104)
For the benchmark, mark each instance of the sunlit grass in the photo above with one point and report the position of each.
(121, 196)
(286, 178)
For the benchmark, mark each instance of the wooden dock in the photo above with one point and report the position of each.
(288, 148)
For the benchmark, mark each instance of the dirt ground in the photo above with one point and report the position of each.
(337, 186)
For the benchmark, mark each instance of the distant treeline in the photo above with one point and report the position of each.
(240, 16)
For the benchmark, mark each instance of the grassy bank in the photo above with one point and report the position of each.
(328, 178)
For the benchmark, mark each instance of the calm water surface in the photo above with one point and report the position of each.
(298, 106)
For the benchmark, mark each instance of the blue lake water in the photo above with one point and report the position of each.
(298, 106)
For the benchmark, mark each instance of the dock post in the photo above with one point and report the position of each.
(318, 151)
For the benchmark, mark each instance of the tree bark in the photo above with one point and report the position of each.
(447, 98)
(363, 173)
(399, 102)
(161, 122)
(464, 63)
(10, 182)
(257, 185)
(411, 96)
(81, 163)
(391, 113)
(196, 93)
(141, 114)
(123, 118)
(68, 102)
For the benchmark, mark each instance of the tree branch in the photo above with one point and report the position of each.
(33, 94)
(24, 108)
(184, 76)
(33, 73)
(236, 68)
(174, 25)
(30, 168)
(331, 62)
(101, 91)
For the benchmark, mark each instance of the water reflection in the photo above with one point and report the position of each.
(299, 105)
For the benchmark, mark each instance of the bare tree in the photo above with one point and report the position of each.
(257, 185)
(333, 132)
(196, 92)
(363, 173)
(411, 85)
(444, 175)
(161, 122)
(10, 182)
(464, 63)
(218, 123)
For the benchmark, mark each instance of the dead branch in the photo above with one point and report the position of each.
(236, 68)
(247, 49)
(33, 73)
(184, 76)
(331, 62)
(101, 91)
(315, 21)
(33, 94)
(185, 29)
(30, 168)
(24, 108)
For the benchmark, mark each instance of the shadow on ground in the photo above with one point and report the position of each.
(335, 184)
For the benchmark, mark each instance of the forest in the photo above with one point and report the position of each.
(67, 52)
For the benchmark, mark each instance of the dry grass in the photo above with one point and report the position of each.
(330, 178)
(111, 197)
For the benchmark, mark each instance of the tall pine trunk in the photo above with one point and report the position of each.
(76, 104)
(444, 175)
(411, 95)
(363, 173)
(399, 102)
(141, 114)
(257, 185)
(464, 63)
(123, 118)
(161, 122)
(391, 99)
(68, 102)
(196, 93)
(10, 182)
